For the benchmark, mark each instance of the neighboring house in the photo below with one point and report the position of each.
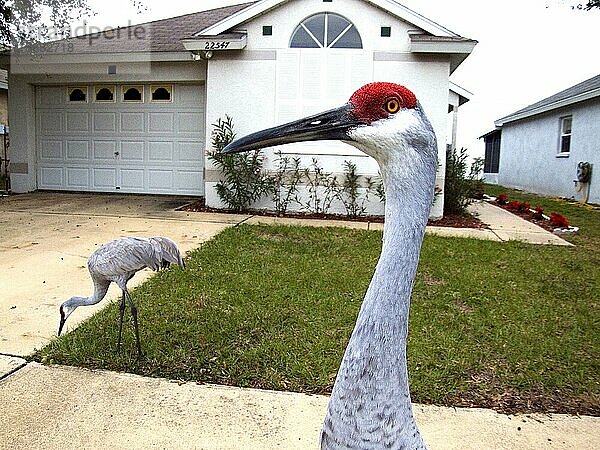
(130, 110)
(539, 148)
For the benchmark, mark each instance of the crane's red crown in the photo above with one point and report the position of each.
(375, 101)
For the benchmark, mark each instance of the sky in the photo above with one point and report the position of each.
(527, 50)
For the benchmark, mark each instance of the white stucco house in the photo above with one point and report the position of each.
(538, 148)
(130, 109)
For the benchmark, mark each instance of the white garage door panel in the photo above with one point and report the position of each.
(190, 153)
(78, 122)
(52, 177)
(78, 151)
(132, 122)
(141, 147)
(78, 177)
(104, 122)
(132, 151)
(104, 178)
(51, 150)
(161, 122)
(132, 179)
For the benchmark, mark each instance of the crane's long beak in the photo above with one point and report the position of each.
(332, 124)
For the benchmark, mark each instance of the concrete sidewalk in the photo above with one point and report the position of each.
(46, 241)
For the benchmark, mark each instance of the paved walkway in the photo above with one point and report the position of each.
(46, 239)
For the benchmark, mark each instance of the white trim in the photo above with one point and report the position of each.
(390, 6)
(460, 90)
(552, 106)
(442, 46)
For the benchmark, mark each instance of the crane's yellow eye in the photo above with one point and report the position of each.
(392, 105)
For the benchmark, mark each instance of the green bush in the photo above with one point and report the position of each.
(243, 179)
(460, 189)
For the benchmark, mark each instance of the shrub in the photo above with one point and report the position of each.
(557, 220)
(538, 213)
(243, 179)
(502, 199)
(322, 188)
(513, 205)
(457, 187)
(284, 182)
(524, 207)
(349, 193)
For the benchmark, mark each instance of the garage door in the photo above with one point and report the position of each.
(139, 138)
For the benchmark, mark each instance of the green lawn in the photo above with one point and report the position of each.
(507, 325)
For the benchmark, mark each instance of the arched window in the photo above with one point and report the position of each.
(105, 94)
(161, 93)
(132, 93)
(326, 30)
(77, 94)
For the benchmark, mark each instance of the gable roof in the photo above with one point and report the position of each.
(262, 6)
(582, 91)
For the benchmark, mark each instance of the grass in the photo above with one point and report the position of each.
(505, 325)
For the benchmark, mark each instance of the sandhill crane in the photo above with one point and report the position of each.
(118, 261)
(370, 405)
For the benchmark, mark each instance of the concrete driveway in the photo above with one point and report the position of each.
(46, 239)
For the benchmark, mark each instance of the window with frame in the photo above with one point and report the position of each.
(162, 93)
(326, 30)
(566, 124)
(77, 94)
(132, 94)
(104, 94)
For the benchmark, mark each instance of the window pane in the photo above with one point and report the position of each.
(565, 144)
(77, 95)
(566, 125)
(132, 94)
(161, 93)
(105, 95)
(301, 39)
(351, 39)
(335, 26)
(316, 25)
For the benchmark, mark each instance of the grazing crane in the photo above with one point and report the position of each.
(118, 261)
(370, 405)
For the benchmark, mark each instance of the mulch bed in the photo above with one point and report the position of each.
(529, 216)
(453, 220)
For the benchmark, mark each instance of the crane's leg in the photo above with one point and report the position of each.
(135, 322)
(121, 312)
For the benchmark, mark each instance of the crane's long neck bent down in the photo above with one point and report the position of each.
(370, 406)
(100, 290)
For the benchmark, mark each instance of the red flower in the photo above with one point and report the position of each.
(513, 205)
(502, 199)
(539, 213)
(524, 207)
(558, 221)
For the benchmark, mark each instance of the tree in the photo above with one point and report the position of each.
(22, 21)
(26, 21)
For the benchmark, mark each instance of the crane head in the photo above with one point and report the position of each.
(379, 119)
(65, 311)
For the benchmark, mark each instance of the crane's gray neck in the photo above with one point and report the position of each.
(370, 406)
(100, 290)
